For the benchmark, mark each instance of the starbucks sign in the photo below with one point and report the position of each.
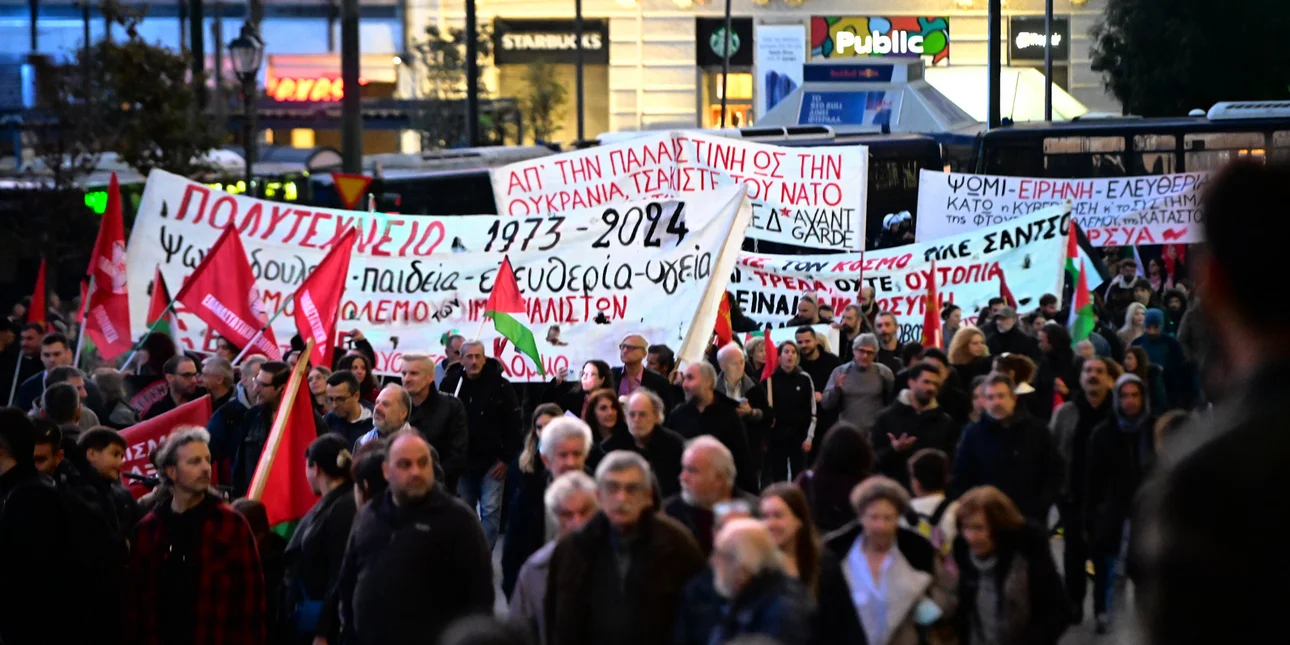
(710, 42)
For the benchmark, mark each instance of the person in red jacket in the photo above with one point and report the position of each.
(194, 574)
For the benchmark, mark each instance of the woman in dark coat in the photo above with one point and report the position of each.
(317, 546)
(792, 401)
(571, 395)
(846, 459)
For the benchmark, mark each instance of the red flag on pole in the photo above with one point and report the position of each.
(317, 300)
(85, 297)
(772, 356)
(221, 291)
(279, 481)
(36, 312)
(1005, 292)
(724, 330)
(107, 318)
(141, 438)
(931, 313)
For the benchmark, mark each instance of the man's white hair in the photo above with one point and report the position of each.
(753, 547)
(621, 460)
(566, 485)
(721, 456)
(561, 429)
(729, 352)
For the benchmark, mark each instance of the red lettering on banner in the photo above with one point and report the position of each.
(187, 199)
(313, 229)
(251, 220)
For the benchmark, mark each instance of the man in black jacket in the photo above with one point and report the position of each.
(914, 422)
(1010, 338)
(889, 348)
(633, 350)
(440, 418)
(55, 352)
(707, 411)
(417, 559)
(646, 436)
(181, 385)
(1010, 450)
(252, 434)
(493, 419)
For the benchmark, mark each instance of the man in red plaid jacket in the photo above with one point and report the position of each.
(194, 576)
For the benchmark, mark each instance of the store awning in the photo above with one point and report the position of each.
(1021, 90)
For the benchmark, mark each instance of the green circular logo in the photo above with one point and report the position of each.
(718, 38)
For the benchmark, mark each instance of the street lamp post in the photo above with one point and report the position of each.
(246, 52)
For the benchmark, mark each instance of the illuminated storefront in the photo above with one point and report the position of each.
(293, 79)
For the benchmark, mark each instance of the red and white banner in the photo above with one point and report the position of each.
(222, 292)
(318, 299)
(1113, 211)
(142, 438)
(107, 319)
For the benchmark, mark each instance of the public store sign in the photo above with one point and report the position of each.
(1120, 211)
(657, 267)
(1026, 39)
(900, 36)
(1028, 252)
(810, 197)
(521, 42)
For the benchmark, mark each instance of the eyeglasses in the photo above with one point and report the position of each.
(625, 346)
(339, 399)
(613, 487)
(865, 350)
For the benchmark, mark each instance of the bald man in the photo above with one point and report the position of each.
(414, 528)
(748, 571)
(633, 350)
(708, 412)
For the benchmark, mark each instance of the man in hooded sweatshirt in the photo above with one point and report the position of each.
(1165, 350)
(914, 422)
(1119, 454)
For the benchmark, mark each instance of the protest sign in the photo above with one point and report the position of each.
(809, 197)
(588, 276)
(1028, 251)
(1115, 211)
(142, 438)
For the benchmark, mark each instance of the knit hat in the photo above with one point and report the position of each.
(1130, 378)
(1155, 318)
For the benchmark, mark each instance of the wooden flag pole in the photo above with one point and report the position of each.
(279, 424)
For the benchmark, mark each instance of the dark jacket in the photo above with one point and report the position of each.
(351, 430)
(720, 420)
(31, 390)
(890, 357)
(163, 405)
(526, 526)
(700, 522)
(1180, 381)
(820, 368)
(441, 419)
(251, 436)
(214, 595)
(569, 395)
(411, 570)
(111, 502)
(316, 551)
(933, 428)
(492, 415)
(793, 410)
(1042, 615)
(663, 558)
(1118, 461)
(224, 428)
(663, 450)
(699, 610)
(772, 605)
(650, 380)
(1019, 458)
(1014, 341)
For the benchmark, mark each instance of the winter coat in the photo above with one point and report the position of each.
(663, 558)
(1032, 601)
(569, 395)
(1118, 461)
(530, 592)
(1014, 341)
(771, 605)
(856, 401)
(915, 573)
(351, 430)
(251, 436)
(411, 570)
(316, 551)
(441, 420)
(1072, 427)
(221, 588)
(650, 380)
(527, 526)
(701, 522)
(978, 366)
(758, 422)
(110, 501)
(792, 400)
(492, 416)
(1019, 458)
(663, 450)
(829, 496)
(699, 610)
(933, 428)
(721, 421)
(225, 427)
(1167, 352)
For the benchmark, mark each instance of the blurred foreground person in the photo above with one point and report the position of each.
(761, 598)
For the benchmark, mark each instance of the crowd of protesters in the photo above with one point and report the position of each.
(875, 492)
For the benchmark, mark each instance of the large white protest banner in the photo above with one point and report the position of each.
(812, 197)
(1028, 252)
(589, 276)
(1114, 211)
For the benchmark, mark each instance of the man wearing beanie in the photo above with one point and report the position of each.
(1164, 350)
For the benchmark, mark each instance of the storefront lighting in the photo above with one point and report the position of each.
(627, 3)
(963, 4)
(396, 60)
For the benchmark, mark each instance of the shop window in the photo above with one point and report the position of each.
(1213, 150)
(738, 103)
(1155, 154)
(1280, 150)
(302, 138)
(1073, 157)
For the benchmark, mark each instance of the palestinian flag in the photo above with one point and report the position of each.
(280, 482)
(1082, 318)
(157, 307)
(505, 300)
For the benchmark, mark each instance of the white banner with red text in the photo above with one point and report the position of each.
(1112, 211)
(1028, 252)
(812, 197)
(589, 276)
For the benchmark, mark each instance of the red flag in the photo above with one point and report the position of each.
(931, 313)
(317, 300)
(1005, 292)
(280, 481)
(36, 312)
(160, 297)
(107, 318)
(221, 291)
(772, 356)
(85, 297)
(141, 438)
(505, 296)
(724, 330)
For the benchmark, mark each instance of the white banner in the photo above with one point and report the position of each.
(589, 276)
(781, 334)
(1027, 252)
(777, 63)
(1119, 211)
(809, 197)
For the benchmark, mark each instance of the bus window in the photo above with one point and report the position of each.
(1014, 160)
(1073, 157)
(1213, 150)
(1280, 150)
(1154, 154)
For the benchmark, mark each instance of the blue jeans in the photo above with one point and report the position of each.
(485, 492)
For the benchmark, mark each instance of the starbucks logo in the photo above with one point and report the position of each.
(717, 41)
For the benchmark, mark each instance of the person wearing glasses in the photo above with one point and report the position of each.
(619, 579)
(860, 389)
(633, 374)
(348, 417)
(181, 386)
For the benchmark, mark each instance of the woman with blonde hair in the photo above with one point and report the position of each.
(1135, 318)
(755, 355)
(1009, 591)
(969, 354)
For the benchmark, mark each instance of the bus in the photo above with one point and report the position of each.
(1134, 146)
